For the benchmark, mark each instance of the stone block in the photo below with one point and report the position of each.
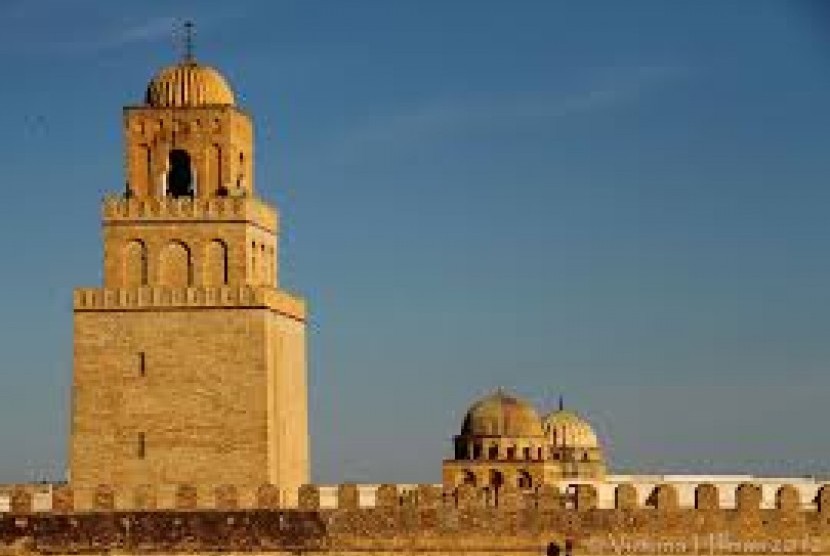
(748, 497)
(187, 497)
(625, 497)
(707, 497)
(664, 498)
(268, 496)
(585, 497)
(387, 496)
(348, 497)
(226, 497)
(145, 497)
(20, 500)
(103, 498)
(309, 497)
(63, 499)
(787, 499)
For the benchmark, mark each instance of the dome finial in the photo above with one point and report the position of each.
(187, 54)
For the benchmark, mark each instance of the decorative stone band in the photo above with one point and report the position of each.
(206, 297)
(218, 209)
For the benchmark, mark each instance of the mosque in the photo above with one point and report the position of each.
(189, 393)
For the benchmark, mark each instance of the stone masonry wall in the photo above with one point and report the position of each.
(423, 519)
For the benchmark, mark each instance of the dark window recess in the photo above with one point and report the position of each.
(142, 363)
(142, 448)
(180, 175)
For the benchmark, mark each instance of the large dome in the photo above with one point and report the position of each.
(188, 84)
(502, 415)
(565, 428)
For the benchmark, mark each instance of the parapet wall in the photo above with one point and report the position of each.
(413, 518)
(61, 498)
(155, 297)
(216, 209)
(409, 520)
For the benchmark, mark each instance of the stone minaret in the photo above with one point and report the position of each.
(189, 362)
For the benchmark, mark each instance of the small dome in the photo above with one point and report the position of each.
(502, 415)
(566, 428)
(188, 84)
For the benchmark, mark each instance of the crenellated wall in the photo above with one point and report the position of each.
(215, 209)
(707, 496)
(160, 297)
(402, 519)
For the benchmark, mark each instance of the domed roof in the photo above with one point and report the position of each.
(501, 415)
(188, 84)
(565, 428)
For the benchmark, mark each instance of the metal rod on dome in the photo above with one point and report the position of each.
(188, 41)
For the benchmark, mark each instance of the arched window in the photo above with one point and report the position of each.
(216, 263)
(179, 174)
(264, 261)
(214, 177)
(496, 479)
(144, 170)
(135, 264)
(240, 179)
(254, 268)
(524, 480)
(176, 268)
(469, 478)
(493, 452)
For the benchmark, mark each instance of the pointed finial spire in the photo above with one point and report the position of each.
(561, 402)
(188, 41)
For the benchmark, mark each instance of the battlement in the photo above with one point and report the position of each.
(708, 497)
(118, 209)
(159, 297)
(401, 518)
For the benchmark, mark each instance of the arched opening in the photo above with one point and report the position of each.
(254, 268)
(264, 259)
(175, 267)
(135, 264)
(214, 177)
(524, 480)
(493, 452)
(143, 178)
(216, 263)
(469, 478)
(240, 178)
(496, 479)
(179, 174)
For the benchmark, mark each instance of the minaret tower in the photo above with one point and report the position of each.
(189, 362)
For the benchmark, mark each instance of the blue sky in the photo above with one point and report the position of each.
(624, 203)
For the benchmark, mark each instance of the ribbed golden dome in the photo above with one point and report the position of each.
(188, 84)
(502, 415)
(565, 428)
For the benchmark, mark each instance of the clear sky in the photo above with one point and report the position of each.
(622, 202)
